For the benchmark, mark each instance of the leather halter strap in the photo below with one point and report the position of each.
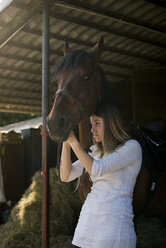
(67, 93)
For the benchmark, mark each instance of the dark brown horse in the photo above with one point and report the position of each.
(81, 86)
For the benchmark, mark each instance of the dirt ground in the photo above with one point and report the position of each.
(151, 232)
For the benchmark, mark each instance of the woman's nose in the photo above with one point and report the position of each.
(92, 129)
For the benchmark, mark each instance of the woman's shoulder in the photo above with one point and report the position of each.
(130, 149)
(132, 144)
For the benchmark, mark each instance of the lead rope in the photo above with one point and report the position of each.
(44, 174)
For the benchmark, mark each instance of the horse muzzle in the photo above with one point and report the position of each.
(58, 128)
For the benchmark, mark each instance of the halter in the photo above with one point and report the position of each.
(82, 108)
(67, 93)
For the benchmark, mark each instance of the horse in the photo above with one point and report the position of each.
(82, 85)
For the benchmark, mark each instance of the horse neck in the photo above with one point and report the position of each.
(84, 132)
(106, 92)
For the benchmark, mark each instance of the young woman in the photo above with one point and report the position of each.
(106, 218)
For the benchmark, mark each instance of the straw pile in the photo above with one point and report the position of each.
(23, 229)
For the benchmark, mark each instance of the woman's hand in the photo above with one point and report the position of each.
(72, 138)
(84, 158)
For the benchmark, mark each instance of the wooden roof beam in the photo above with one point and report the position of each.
(21, 58)
(13, 108)
(20, 26)
(16, 105)
(17, 90)
(92, 10)
(102, 28)
(30, 81)
(19, 99)
(84, 43)
(96, 26)
(18, 111)
(160, 3)
(35, 61)
(29, 71)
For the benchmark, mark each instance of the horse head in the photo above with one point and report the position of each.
(79, 82)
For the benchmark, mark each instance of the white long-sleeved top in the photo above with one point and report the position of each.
(106, 218)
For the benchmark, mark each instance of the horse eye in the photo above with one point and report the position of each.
(86, 77)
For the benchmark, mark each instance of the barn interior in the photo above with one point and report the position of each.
(133, 59)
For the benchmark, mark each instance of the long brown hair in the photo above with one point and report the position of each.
(115, 134)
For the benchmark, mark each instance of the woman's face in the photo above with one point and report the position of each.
(97, 127)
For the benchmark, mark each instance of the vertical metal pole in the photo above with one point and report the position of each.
(45, 110)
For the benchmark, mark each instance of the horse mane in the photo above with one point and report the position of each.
(73, 60)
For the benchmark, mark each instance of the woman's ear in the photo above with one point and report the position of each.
(98, 48)
(66, 48)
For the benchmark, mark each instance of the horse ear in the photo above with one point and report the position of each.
(66, 48)
(98, 48)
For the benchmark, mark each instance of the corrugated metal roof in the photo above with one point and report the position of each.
(134, 37)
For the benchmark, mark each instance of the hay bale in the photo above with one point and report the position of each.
(23, 229)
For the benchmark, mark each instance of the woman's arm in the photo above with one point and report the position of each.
(128, 155)
(85, 159)
(65, 165)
